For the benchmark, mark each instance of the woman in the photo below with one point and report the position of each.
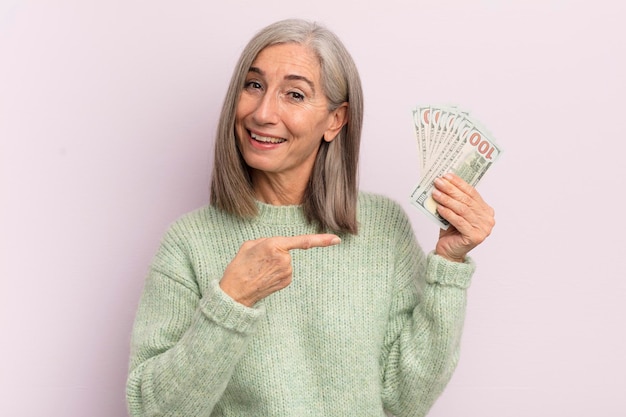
(237, 320)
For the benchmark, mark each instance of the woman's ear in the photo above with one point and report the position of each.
(338, 119)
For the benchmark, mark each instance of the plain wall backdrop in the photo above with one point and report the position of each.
(107, 113)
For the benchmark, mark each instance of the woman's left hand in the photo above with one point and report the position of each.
(471, 219)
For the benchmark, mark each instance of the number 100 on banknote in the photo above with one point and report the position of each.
(449, 140)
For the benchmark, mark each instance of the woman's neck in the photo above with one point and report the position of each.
(278, 190)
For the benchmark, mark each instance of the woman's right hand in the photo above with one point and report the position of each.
(263, 266)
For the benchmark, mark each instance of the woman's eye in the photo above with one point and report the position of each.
(253, 85)
(297, 96)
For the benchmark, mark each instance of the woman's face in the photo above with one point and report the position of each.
(282, 114)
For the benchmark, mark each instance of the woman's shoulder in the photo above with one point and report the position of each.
(378, 209)
(199, 220)
(370, 200)
(200, 230)
(197, 215)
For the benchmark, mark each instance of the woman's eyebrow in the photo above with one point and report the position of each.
(301, 78)
(296, 77)
(256, 70)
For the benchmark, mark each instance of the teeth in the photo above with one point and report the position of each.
(266, 139)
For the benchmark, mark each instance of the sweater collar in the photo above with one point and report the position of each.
(280, 215)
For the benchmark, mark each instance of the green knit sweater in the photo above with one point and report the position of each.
(369, 325)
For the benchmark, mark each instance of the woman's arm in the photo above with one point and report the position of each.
(185, 344)
(422, 344)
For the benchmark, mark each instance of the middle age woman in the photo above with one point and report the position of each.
(236, 319)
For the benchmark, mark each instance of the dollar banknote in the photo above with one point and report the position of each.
(449, 140)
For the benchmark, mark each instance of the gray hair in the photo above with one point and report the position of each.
(331, 195)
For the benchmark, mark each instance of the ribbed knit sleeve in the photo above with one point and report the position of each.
(185, 344)
(421, 346)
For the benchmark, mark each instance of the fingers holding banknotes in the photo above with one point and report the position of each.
(263, 266)
(471, 218)
(449, 140)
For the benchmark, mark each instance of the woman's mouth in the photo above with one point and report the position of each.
(266, 139)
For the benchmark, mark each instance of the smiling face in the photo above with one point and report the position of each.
(282, 115)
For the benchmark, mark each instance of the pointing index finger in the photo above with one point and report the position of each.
(307, 241)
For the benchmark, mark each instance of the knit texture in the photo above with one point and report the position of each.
(369, 325)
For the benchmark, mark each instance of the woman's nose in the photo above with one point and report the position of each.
(267, 109)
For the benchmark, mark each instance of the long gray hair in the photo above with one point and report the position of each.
(331, 196)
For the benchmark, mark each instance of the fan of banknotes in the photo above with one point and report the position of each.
(449, 140)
